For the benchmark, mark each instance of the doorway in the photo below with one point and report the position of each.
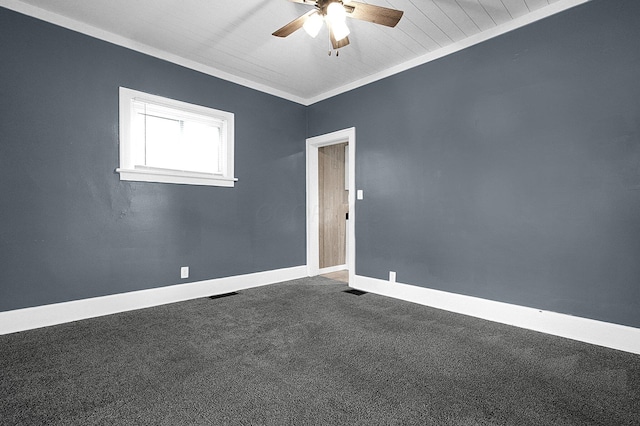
(327, 250)
(333, 206)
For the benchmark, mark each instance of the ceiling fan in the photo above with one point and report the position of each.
(333, 13)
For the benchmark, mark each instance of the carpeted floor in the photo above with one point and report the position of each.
(306, 352)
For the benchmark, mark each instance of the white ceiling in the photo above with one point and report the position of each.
(232, 39)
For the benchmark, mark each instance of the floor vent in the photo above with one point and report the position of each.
(356, 292)
(220, 296)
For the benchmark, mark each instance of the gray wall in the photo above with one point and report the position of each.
(509, 170)
(70, 229)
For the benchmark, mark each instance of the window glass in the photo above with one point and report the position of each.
(159, 135)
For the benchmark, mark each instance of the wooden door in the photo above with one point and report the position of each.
(333, 205)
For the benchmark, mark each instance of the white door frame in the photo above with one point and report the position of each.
(313, 235)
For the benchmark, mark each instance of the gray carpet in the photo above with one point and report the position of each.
(306, 352)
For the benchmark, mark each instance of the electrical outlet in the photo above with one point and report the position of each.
(184, 272)
(392, 276)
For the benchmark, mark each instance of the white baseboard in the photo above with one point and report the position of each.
(601, 333)
(58, 313)
(331, 269)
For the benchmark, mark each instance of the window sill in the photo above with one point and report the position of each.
(174, 176)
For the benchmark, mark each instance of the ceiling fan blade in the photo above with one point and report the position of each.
(343, 42)
(292, 26)
(376, 14)
(337, 44)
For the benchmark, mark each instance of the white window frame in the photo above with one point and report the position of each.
(131, 171)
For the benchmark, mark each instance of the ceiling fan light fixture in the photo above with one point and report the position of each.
(336, 12)
(313, 24)
(340, 30)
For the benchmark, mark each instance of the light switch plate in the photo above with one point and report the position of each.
(360, 194)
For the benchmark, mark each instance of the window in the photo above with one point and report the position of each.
(164, 140)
